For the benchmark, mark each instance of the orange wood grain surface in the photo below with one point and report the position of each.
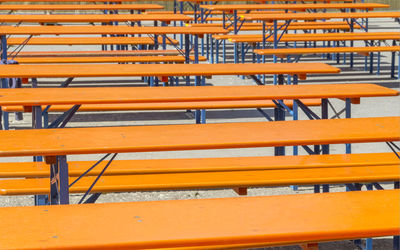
(268, 220)
(47, 142)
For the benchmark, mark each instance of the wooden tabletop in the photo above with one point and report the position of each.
(9, 7)
(104, 95)
(95, 18)
(114, 70)
(92, 30)
(313, 16)
(67, 141)
(240, 221)
(230, 7)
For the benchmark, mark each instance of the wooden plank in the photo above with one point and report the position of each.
(49, 142)
(230, 7)
(209, 180)
(293, 51)
(193, 165)
(313, 16)
(319, 37)
(117, 30)
(92, 18)
(105, 59)
(265, 221)
(105, 95)
(169, 105)
(20, 7)
(97, 53)
(86, 40)
(113, 70)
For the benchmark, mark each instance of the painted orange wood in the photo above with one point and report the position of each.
(48, 142)
(10, 7)
(104, 59)
(80, 1)
(98, 53)
(104, 95)
(303, 27)
(210, 180)
(267, 220)
(111, 70)
(157, 166)
(313, 16)
(319, 37)
(342, 35)
(118, 30)
(229, 7)
(325, 50)
(169, 105)
(86, 40)
(60, 18)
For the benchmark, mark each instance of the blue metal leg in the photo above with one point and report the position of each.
(325, 148)
(59, 190)
(4, 81)
(280, 116)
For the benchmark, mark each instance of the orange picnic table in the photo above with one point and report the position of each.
(234, 8)
(105, 30)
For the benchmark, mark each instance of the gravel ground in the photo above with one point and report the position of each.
(369, 107)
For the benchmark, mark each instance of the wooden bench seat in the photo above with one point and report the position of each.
(78, 7)
(151, 52)
(107, 29)
(89, 41)
(319, 16)
(301, 51)
(169, 105)
(140, 70)
(92, 18)
(303, 26)
(314, 37)
(205, 223)
(106, 59)
(165, 176)
(317, 37)
(196, 165)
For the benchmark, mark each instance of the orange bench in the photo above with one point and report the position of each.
(93, 18)
(319, 16)
(75, 7)
(206, 223)
(348, 36)
(88, 41)
(213, 173)
(105, 59)
(294, 26)
(99, 53)
(364, 51)
(107, 29)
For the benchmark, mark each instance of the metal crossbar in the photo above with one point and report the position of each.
(97, 178)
